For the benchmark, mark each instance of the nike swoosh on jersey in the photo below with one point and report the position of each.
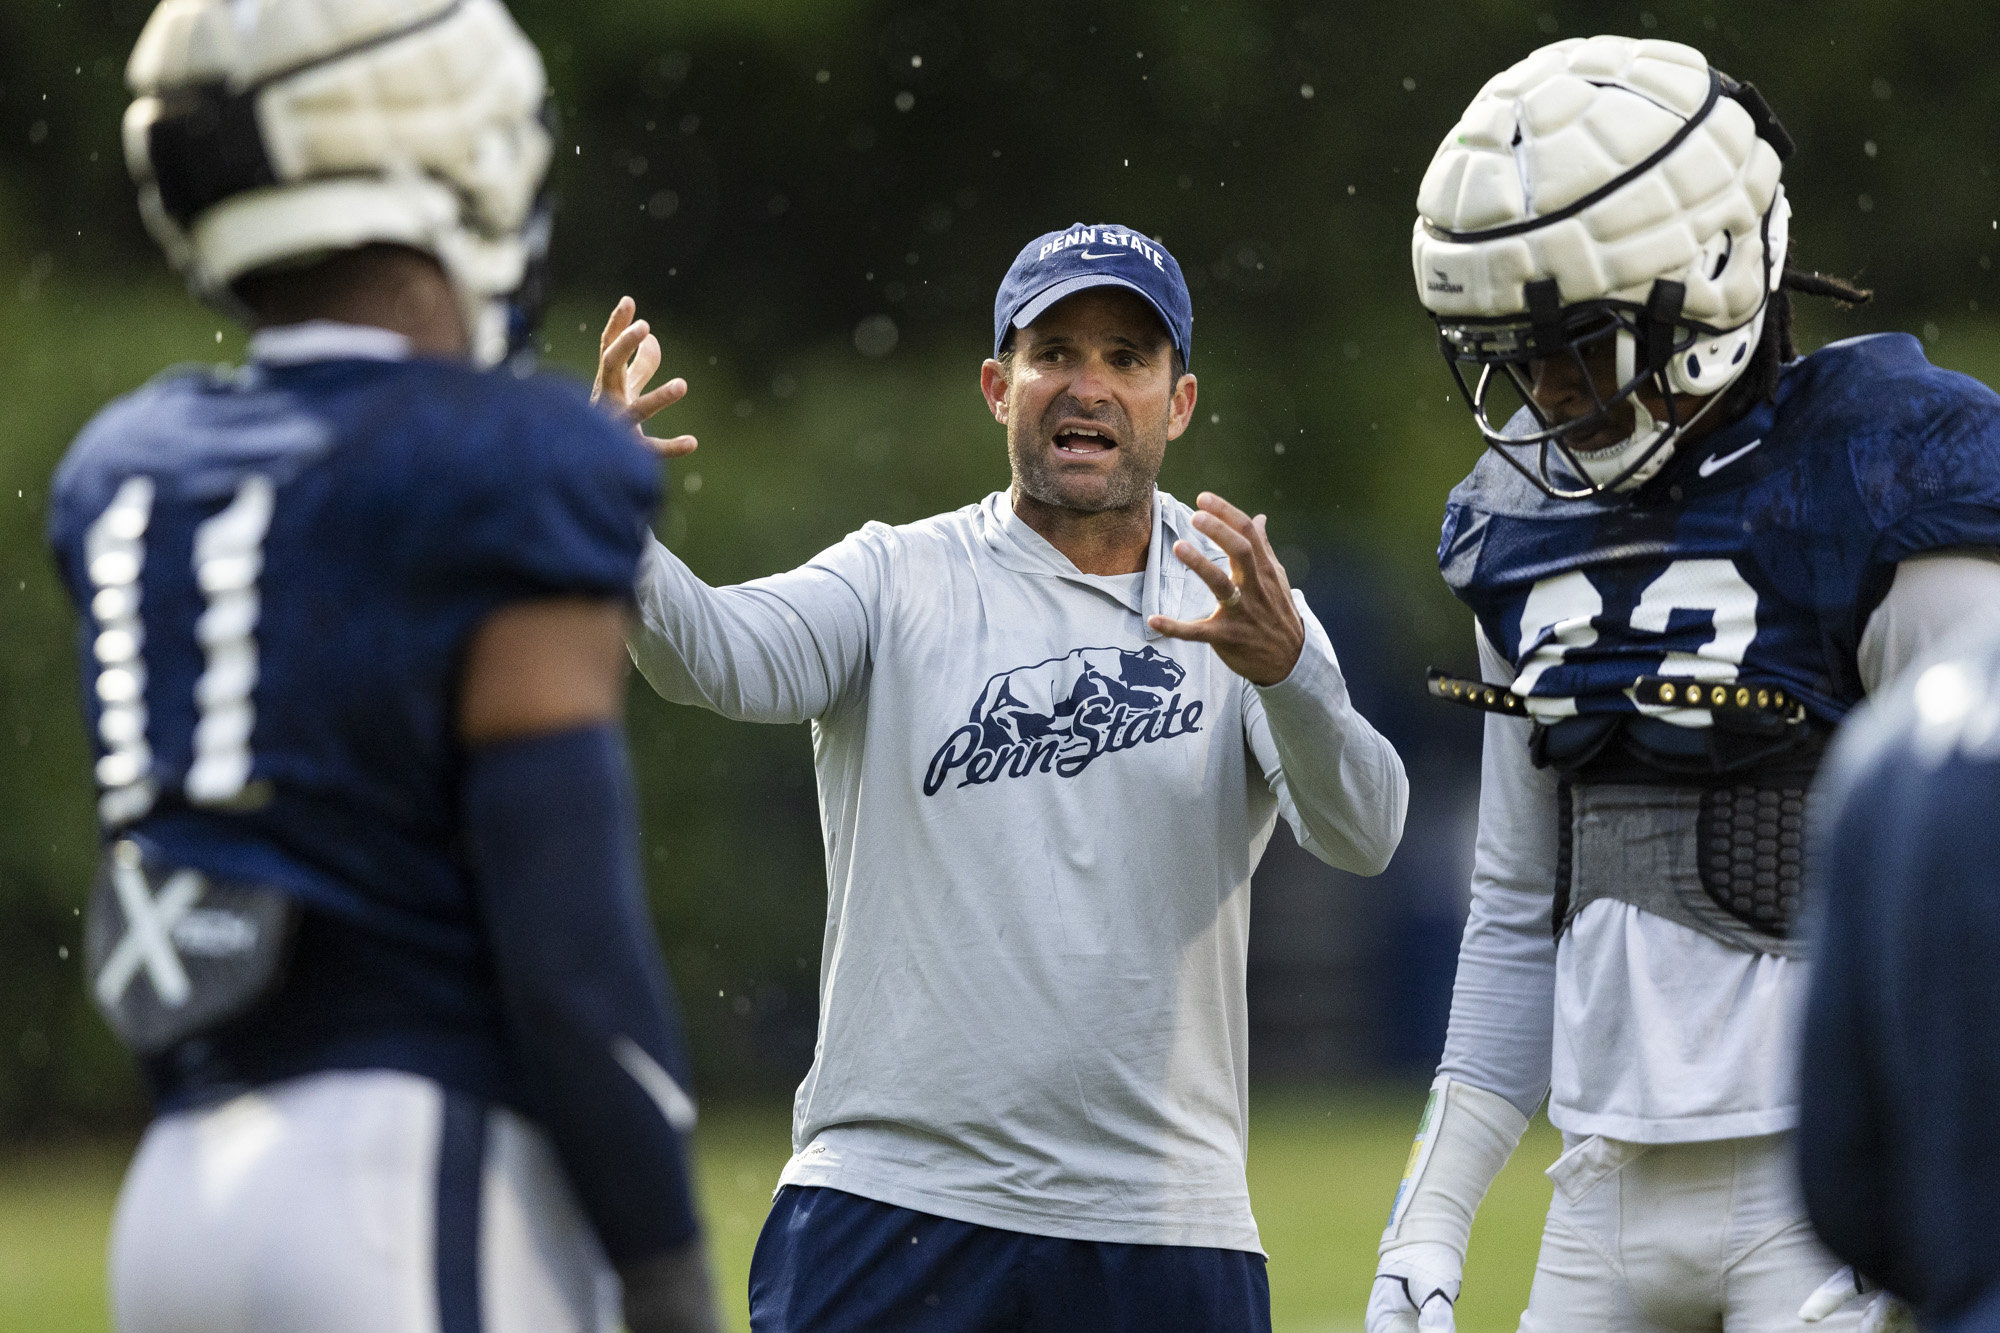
(1087, 255)
(1714, 463)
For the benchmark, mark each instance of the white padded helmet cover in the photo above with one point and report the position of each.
(410, 121)
(1570, 119)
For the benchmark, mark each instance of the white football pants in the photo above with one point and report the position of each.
(353, 1202)
(1678, 1238)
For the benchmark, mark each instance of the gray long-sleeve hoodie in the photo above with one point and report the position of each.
(1040, 820)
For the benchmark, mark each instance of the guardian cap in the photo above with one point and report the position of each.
(1603, 188)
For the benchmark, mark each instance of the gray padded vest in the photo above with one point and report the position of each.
(1726, 861)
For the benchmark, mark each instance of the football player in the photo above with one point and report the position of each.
(1901, 1090)
(369, 911)
(1689, 551)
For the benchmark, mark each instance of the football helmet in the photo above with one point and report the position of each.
(274, 132)
(1603, 189)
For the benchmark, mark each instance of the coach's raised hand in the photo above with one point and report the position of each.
(628, 356)
(1256, 630)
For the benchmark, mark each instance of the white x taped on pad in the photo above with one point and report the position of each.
(172, 953)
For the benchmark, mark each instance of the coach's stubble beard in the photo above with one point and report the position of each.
(1040, 475)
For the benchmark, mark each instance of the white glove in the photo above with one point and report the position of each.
(1881, 1312)
(1416, 1286)
(1464, 1139)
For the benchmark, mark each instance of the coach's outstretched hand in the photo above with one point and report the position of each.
(628, 356)
(1256, 630)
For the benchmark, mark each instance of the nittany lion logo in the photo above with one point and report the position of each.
(1061, 715)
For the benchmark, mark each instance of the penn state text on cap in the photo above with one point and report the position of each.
(1063, 263)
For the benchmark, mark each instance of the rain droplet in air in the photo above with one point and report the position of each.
(876, 336)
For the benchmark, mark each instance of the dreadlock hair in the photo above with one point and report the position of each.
(1759, 384)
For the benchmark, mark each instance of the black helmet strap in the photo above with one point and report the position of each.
(1662, 315)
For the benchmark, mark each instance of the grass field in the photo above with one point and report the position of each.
(1322, 1167)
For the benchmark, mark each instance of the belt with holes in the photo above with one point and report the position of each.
(1474, 694)
(1718, 697)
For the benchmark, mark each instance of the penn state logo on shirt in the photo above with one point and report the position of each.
(1062, 715)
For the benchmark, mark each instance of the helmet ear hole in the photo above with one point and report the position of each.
(1714, 363)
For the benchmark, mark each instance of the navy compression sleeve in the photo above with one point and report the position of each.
(554, 837)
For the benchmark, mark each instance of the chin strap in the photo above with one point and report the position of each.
(1663, 310)
(1603, 466)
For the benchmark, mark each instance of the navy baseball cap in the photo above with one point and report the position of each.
(1066, 262)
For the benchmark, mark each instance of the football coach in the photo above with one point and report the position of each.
(1054, 731)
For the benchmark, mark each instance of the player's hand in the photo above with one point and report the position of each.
(628, 356)
(1415, 1289)
(1256, 630)
(1880, 1313)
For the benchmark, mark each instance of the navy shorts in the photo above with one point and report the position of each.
(833, 1262)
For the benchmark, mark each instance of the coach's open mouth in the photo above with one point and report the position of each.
(1079, 440)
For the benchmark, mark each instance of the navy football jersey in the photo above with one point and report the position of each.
(1755, 558)
(278, 569)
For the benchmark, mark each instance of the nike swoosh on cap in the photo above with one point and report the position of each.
(1087, 255)
(1714, 463)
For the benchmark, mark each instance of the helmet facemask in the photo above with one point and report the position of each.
(1652, 347)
